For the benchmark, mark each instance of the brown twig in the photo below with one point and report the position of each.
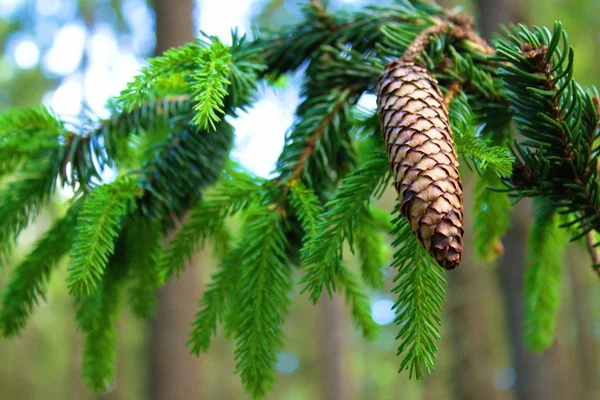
(459, 26)
(420, 42)
(453, 88)
(312, 141)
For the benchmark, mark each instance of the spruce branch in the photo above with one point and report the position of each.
(420, 292)
(322, 253)
(542, 283)
(97, 317)
(25, 133)
(263, 298)
(232, 195)
(26, 286)
(144, 250)
(167, 130)
(477, 152)
(357, 299)
(214, 302)
(97, 226)
(22, 199)
(208, 85)
(490, 222)
(558, 118)
(372, 249)
(308, 210)
(173, 61)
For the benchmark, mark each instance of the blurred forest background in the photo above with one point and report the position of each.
(66, 53)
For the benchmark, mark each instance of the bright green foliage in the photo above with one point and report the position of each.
(22, 199)
(262, 298)
(306, 206)
(547, 242)
(372, 248)
(97, 227)
(25, 132)
(213, 305)
(327, 118)
(176, 169)
(490, 221)
(420, 291)
(475, 151)
(308, 210)
(172, 62)
(208, 85)
(97, 316)
(322, 253)
(26, 287)
(358, 300)
(208, 216)
(144, 252)
(558, 160)
(168, 138)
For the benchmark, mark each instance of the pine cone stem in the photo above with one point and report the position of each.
(420, 148)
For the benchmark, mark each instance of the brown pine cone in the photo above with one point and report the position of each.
(414, 124)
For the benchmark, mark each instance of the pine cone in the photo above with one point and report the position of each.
(414, 124)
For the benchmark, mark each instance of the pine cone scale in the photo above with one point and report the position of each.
(415, 127)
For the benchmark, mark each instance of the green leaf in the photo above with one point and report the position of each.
(542, 283)
(420, 291)
(98, 225)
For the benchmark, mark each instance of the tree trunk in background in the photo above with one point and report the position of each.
(471, 333)
(493, 13)
(581, 278)
(542, 376)
(334, 385)
(538, 376)
(174, 373)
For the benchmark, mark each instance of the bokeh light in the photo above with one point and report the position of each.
(381, 311)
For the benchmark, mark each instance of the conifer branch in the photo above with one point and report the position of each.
(309, 211)
(208, 85)
(21, 200)
(234, 193)
(26, 287)
(168, 133)
(358, 301)
(144, 252)
(542, 284)
(420, 291)
(214, 302)
(97, 317)
(322, 252)
(97, 226)
(263, 297)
